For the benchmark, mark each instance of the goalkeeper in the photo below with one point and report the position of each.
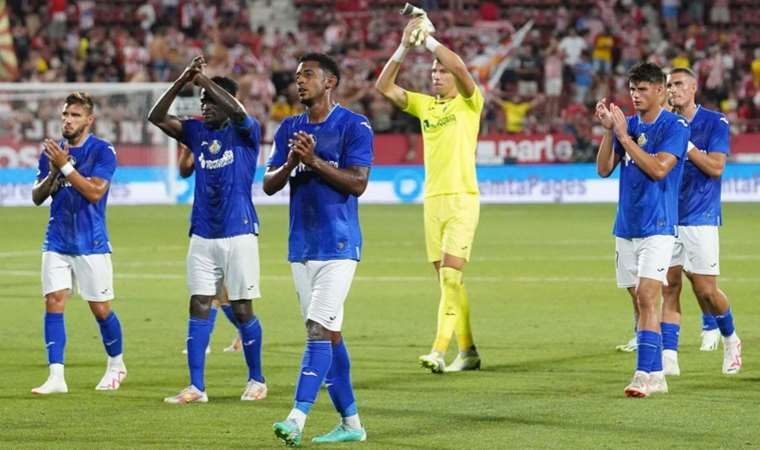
(450, 120)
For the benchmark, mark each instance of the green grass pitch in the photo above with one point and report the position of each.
(546, 316)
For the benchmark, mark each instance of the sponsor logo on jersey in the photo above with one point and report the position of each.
(227, 158)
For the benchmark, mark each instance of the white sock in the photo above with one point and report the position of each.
(298, 417)
(116, 361)
(56, 371)
(353, 422)
(731, 339)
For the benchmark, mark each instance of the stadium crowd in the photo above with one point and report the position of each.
(575, 52)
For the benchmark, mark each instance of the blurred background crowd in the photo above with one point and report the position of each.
(555, 58)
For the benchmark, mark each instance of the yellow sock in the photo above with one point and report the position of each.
(449, 310)
(462, 328)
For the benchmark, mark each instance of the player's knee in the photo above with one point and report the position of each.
(451, 277)
(243, 310)
(55, 300)
(200, 305)
(316, 332)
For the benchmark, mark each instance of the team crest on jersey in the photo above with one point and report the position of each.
(642, 139)
(215, 147)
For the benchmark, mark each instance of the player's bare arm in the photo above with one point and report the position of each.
(655, 166)
(454, 64)
(712, 164)
(46, 187)
(226, 101)
(351, 180)
(606, 158)
(276, 178)
(386, 82)
(185, 161)
(159, 114)
(92, 188)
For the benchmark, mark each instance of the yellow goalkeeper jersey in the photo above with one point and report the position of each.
(450, 135)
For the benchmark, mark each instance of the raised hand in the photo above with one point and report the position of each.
(302, 144)
(193, 69)
(620, 125)
(410, 37)
(603, 114)
(57, 156)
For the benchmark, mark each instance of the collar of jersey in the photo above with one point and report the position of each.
(655, 119)
(83, 142)
(695, 113)
(329, 113)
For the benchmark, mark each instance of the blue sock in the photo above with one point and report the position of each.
(227, 310)
(110, 331)
(670, 332)
(55, 337)
(212, 312)
(709, 322)
(338, 381)
(250, 334)
(648, 342)
(315, 364)
(198, 333)
(657, 360)
(726, 323)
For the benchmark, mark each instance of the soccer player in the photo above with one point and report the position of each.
(325, 155)
(223, 249)
(631, 345)
(651, 146)
(186, 162)
(450, 122)
(696, 251)
(76, 172)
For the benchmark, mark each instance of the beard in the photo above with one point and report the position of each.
(75, 133)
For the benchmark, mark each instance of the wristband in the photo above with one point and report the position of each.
(66, 169)
(690, 147)
(400, 53)
(431, 43)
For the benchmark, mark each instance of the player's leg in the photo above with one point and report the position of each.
(671, 309)
(204, 276)
(56, 287)
(458, 238)
(704, 271)
(653, 255)
(331, 285)
(626, 275)
(703, 244)
(434, 222)
(224, 304)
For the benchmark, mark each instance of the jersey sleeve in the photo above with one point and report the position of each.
(189, 131)
(675, 138)
(105, 165)
(279, 154)
(475, 102)
(415, 103)
(719, 138)
(249, 129)
(359, 143)
(43, 166)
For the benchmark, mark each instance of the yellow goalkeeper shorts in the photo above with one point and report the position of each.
(450, 223)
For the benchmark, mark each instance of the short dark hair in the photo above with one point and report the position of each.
(685, 70)
(326, 63)
(646, 72)
(228, 84)
(81, 98)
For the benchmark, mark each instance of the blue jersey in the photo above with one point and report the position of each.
(648, 207)
(699, 201)
(225, 162)
(76, 226)
(324, 222)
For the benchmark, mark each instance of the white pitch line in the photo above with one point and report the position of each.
(386, 278)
